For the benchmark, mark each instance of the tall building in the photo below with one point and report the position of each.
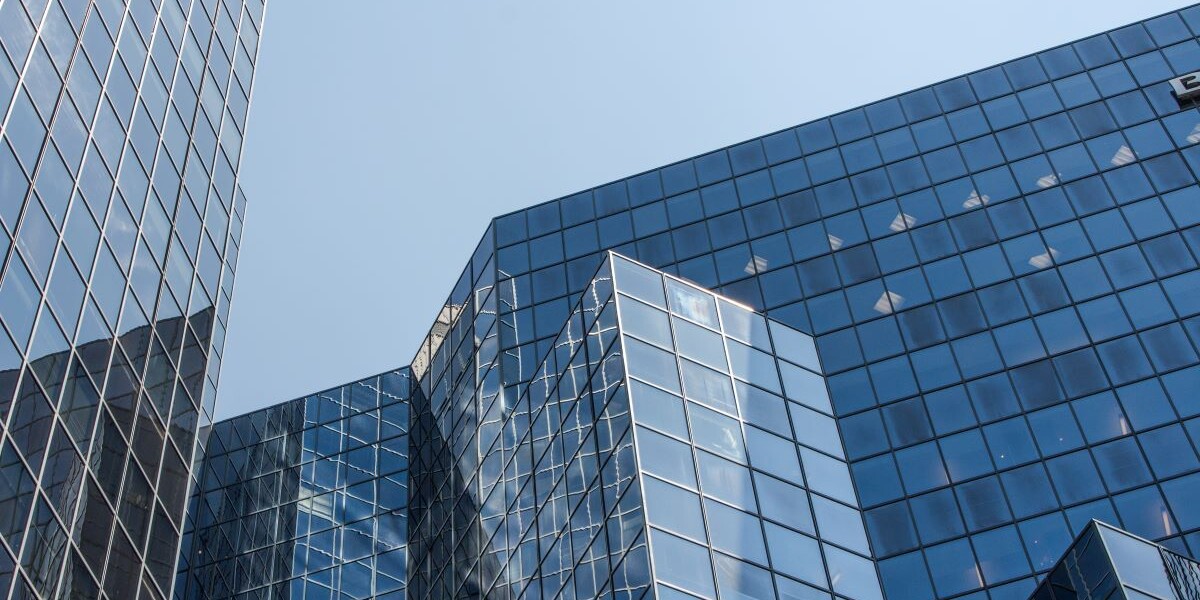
(933, 338)
(120, 215)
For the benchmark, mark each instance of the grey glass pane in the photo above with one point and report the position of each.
(693, 304)
(716, 432)
(702, 345)
(841, 525)
(708, 387)
(742, 581)
(673, 508)
(646, 322)
(805, 387)
(682, 563)
(827, 476)
(665, 457)
(795, 555)
(651, 364)
(658, 409)
(639, 282)
(735, 532)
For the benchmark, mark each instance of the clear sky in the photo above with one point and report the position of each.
(385, 134)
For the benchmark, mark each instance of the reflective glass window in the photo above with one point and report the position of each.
(795, 555)
(735, 532)
(682, 563)
(666, 457)
(673, 508)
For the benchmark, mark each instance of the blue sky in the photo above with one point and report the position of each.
(384, 135)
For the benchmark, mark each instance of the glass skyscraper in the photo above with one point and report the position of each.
(950, 330)
(908, 351)
(120, 215)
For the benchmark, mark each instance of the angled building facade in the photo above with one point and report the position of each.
(120, 215)
(1000, 272)
(629, 463)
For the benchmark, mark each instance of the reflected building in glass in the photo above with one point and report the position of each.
(120, 215)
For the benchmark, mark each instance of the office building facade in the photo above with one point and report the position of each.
(1000, 274)
(305, 499)
(651, 449)
(996, 278)
(120, 215)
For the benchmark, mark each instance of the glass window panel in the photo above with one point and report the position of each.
(691, 303)
(795, 555)
(1121, 464)
(658, 409)
(906, 577)
(936, 516)
(735, 532)
(665, 457)
(716, 432)
(795, 346)
(816, 430)
(983, 503)
(651, 364)
(841, 525)
(1101, 417)
(763, 409)
(639, 282)
(700, 344)
(891, 528)
(1001, 555)
(921, 467)
(708, 387)
(784, 503)
(953, 567)
(726, 481)
(673, 508)
(828, 476)
(742, 581)
(805, 387)
(852, 576)
(1010, 442)
(743, 325)
(966, 455)
(646, 322)
(682, 563)
(773, 454)
(754, 366)
(1029, 490)
(1169, 451)
(1137, 563)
